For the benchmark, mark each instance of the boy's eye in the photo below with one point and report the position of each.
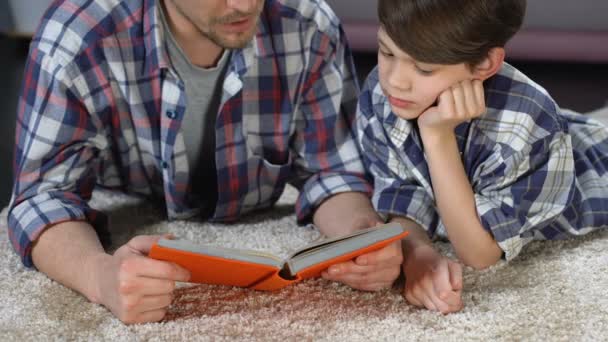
(424, 72)
(386, 53)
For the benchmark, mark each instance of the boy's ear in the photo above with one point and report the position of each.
(491, 64)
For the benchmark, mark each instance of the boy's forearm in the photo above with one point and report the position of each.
(456, 205)
(68, 253)
(345, 213)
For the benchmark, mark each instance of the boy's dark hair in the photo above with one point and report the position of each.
(450, 31)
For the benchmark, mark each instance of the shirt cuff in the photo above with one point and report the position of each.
(324, 185)
(28, 219)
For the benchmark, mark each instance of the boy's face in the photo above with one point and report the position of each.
(412, 87)
(229, 24)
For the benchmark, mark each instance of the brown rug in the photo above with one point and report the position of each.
(554, 291)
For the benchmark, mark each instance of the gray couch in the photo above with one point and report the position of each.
(21, 17)
(553, 30)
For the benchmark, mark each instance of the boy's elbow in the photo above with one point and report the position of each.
(483, 259)
(481, 265)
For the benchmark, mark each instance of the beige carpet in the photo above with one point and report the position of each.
(554, 291)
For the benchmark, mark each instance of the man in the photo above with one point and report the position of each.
(211, 104)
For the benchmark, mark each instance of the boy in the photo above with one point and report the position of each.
(464, 146)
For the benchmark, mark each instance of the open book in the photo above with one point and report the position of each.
(262, 271)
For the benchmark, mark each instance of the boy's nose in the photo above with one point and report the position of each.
(399, 79)
(243, 6)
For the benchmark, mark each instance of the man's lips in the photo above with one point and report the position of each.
(240, 25)
(400, 103)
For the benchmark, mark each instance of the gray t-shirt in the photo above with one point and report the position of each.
(203, 93)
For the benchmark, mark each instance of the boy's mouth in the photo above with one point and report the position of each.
(400, 103)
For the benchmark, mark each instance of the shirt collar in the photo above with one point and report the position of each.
(156, 54)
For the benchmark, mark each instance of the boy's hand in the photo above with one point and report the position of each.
(135, 288)
(461, 102)
(369, 272)
(433, 281)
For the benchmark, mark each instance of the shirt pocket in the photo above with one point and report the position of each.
(269, 169)
(266, 182)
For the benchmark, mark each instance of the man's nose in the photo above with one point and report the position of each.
(244, 6)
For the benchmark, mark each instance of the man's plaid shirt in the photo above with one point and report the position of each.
(101, 105)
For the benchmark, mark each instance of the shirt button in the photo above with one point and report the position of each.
(165, 165)
(171, 114)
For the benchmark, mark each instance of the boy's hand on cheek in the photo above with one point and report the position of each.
(433, 281)
(461, 102)
(369, 272)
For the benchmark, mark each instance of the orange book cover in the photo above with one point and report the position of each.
(262, 271)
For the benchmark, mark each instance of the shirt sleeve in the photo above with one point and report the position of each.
(394, 194)
(326, 158)
(57, 144)
(519, 195)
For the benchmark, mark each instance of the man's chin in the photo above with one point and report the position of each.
(240, 44)
(233, 41)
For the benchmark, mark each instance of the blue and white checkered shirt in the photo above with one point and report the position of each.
(537, 171)
(101, 105)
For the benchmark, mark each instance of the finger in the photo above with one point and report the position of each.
(479, 94)
(348, 267)
(390, 254)
(428, 303)
(459, 102)
(470, 101)
(455, 275)
(420, 292)
(441, 280)
(453, 300)
(441, 305)
(441, 293)
(432, 293)
(150, 268)
(142, 243)
(409, 296)
(348, 278)
(157, 287)
(446, 104)
(151, 316)
(361, 280)
(153, 303)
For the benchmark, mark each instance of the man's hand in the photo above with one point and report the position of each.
(135, 288)
(369, 272)
(433, 281)
(462, 102)
(344, 214)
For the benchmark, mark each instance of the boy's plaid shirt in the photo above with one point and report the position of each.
(537, 171)
(101, 105)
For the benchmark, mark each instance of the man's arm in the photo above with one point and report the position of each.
(135, 288)
(67, 252)
(58, 144)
